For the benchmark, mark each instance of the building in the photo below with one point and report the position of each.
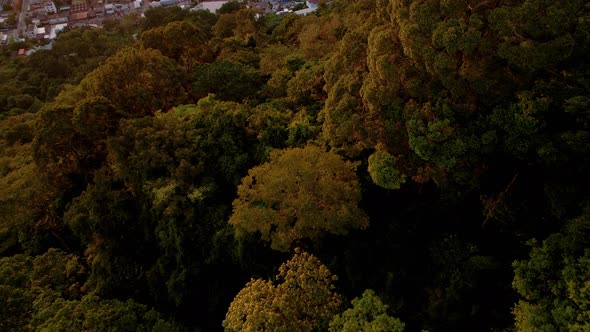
(312, 3)
(212, 6)
(57, 20)
(31, 31)
(109, 9)
(167, 2)
(55, 29)
(80, 16)
(35, 32)
(50, 7)
(41, 33)
(305, 11)
(118, 7)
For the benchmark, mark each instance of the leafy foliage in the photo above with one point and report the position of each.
(459, 128)
(299, 194)
(383, 172)
(553, 282)
(368, 313)
(302, 300)
(92, 313)
(139, 81)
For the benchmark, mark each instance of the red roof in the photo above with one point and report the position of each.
(22, 51)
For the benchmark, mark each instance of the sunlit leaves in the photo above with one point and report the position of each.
(182, 41)
(368, 313)
(299, 194)
(302, 299)
(384, 172)
(139, 81)
(553, 282)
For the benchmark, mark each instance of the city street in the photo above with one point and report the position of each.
(22, 25)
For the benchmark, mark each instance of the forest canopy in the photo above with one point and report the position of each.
(385, 165)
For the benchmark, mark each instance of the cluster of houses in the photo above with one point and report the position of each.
(283, 7)
(279, 7)
(45, 19)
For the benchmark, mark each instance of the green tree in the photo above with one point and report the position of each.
(270, 123)
(12, 20)
(94, 314)
(155, 17)
(183, 41)
(137, 80)
(24, 195)
(383, 171)
(553, 281)
(343, 114)
(299, 194)
(229, 7)
(17, 301)
(368, 313)
(163, 198)
(229, 81)
(303, 299)
(25, 279)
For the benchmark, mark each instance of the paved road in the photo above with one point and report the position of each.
(22, 25)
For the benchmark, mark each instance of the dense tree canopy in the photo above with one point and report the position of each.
(299, 194)
(303, 299)
(554, 282)
(150, 168)
(368, 313)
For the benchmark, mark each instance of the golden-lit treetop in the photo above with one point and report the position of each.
(299, 194)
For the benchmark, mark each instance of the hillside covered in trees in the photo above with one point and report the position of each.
(386, 165)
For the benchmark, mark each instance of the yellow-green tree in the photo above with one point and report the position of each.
(183, 41)
(137, 80)
(300, 193)
(302, 300)
(368, 313)
(553, 282)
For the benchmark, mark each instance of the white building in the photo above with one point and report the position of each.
(212, 6)
(41, 32)
(109, 9)
(312, 4)
(55, 29)
(50, 7)
(305, 11)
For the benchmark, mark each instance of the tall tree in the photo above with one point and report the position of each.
(300, 194)
(138, 81)
(303, 299)
(183, 41)
(368, 313)
(155, 220)
(553, 281)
